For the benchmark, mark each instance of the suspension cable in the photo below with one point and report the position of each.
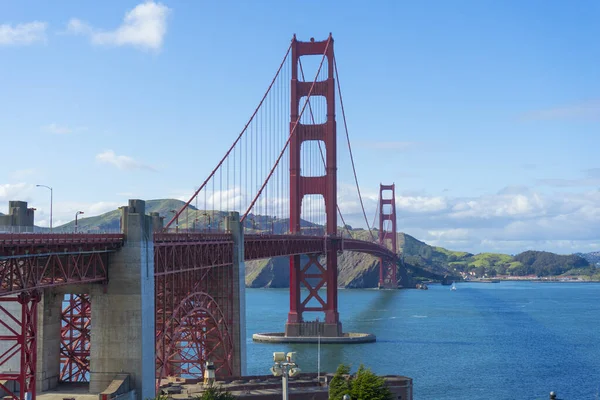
(350, 148)
(321, 151)
(235, 142)
(290, 135)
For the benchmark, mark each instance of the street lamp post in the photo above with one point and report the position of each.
(284, 366)
(76, 214)
(48, 187)
(176, 221)
(207, 215)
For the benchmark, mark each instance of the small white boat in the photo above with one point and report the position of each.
(453, 286)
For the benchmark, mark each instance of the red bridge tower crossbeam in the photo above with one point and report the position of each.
(387, 267)
(312, 275)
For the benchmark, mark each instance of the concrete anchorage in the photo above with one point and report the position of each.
(123, 332)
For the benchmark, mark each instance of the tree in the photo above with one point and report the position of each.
(368, 386)
(364, 385)
(340, 383)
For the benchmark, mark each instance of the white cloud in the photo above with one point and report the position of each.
(23, 34)
(121, 162)
(145, 26)
(588, 110)
(515, 219)
(59, 129)
(14, 191)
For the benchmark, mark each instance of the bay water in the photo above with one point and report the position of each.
(507, 340)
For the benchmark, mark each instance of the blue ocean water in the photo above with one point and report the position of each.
(507, 340)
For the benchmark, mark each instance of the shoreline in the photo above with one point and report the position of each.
(540, 280)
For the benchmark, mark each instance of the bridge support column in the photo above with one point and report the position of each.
(48, 340)
(123, 333)
(239, 293)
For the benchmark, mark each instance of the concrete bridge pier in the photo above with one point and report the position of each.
(123, 311)
(48, 340)
(234, 226)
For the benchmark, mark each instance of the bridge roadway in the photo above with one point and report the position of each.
(35, 261)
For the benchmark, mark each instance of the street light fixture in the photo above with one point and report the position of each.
(76, 214)
(284, 366)
(48, 187)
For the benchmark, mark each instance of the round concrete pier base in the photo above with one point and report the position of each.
(347, 338)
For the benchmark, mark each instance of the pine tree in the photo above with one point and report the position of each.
(368, 386)
(364, 385)
(340, 383)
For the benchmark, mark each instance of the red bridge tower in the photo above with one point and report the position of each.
(387, 232)
(308, 272)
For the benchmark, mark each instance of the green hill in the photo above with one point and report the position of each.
(357, 270)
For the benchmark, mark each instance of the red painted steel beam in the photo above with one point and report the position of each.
(26, 243)
(23, 331)
(75, 339)
(28, 272)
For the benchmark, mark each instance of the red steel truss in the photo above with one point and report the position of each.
(33, 261)
(388, 236)
(194, 304)
(23, 333)
(75, 339)
(325, 185)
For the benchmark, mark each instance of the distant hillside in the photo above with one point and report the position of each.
(356, 270)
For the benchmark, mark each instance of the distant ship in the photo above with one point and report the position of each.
(446, 281)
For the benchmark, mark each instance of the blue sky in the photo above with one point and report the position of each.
(486, 114)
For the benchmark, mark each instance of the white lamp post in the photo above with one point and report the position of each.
(284, 366)
(48, 187)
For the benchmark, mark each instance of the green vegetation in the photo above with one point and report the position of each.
(364, 385)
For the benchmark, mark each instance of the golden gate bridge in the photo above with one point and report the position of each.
(283, 164)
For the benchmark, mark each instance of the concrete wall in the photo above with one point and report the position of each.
(48, 340)
(18, 214)
(239, 293)
(123, 334)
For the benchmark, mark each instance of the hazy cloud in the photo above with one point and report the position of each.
(396, 145)
(22, 173)
(591, 178)
(513, 220)
(14, 191)
(585, 110)
(121, 162)
(145, 26)
(23, 34)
